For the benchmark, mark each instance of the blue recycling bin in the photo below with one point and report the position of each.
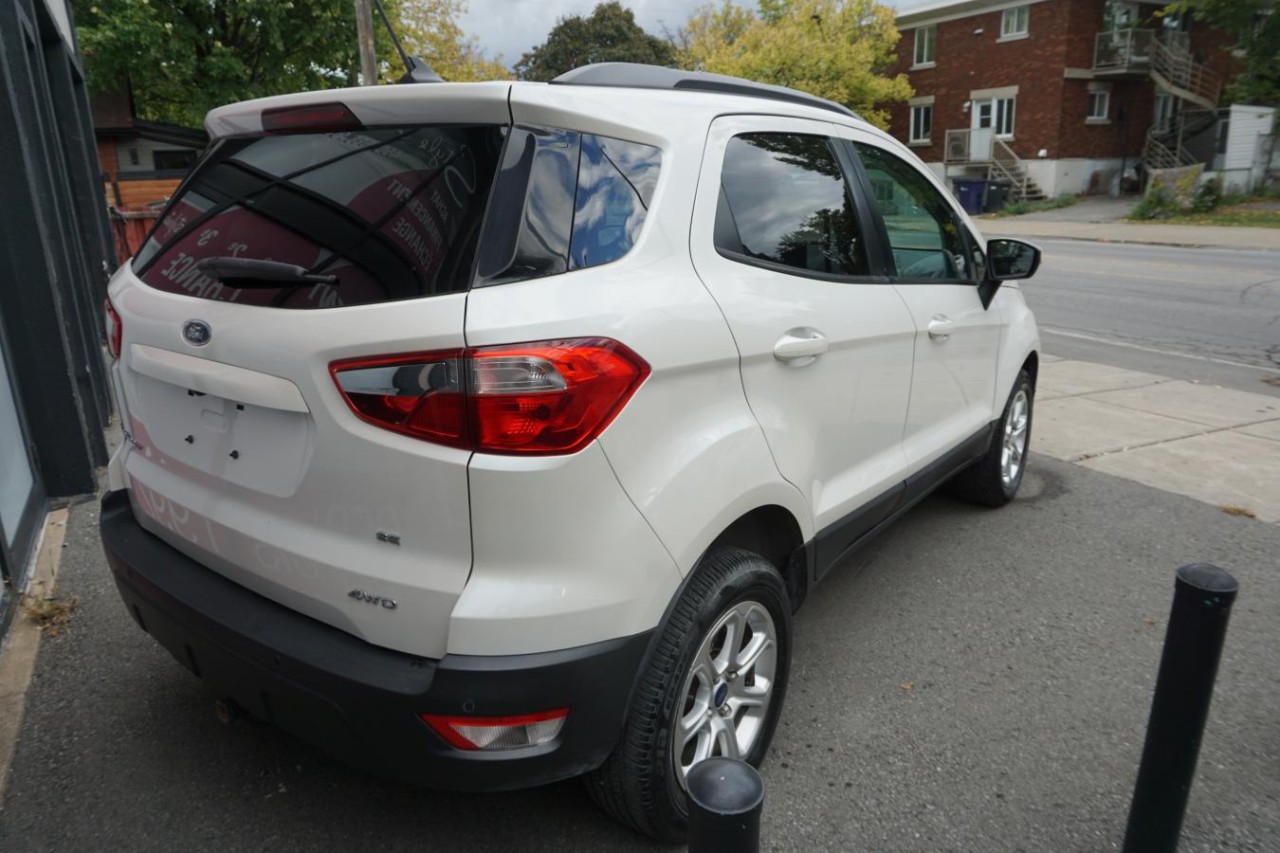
(971, 192)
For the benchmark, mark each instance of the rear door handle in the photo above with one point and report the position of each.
(800, 346)
(940, 328)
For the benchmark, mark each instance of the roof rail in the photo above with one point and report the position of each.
(634, 75)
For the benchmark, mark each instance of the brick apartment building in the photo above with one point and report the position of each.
(1059, 96)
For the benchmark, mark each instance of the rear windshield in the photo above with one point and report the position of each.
(388, 213)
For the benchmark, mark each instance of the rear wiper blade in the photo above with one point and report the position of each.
(251, 272)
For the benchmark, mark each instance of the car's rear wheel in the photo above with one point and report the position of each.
(714, 684)
(994, 479)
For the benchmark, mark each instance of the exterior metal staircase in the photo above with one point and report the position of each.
(1170, 147)
(1005, 165)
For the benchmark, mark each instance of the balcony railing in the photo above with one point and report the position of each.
(1121, 50)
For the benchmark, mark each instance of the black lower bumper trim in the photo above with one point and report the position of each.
(358, 701)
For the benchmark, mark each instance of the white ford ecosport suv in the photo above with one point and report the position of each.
(490, 434)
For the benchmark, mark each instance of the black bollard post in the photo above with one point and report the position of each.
(725, 800)
(1202, 599)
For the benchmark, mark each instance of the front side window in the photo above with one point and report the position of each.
(1014, 21)
(921, 123)
(925, 42)
(373, 215)
(783, 201)
(924, 235)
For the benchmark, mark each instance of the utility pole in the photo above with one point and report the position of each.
(364, 32)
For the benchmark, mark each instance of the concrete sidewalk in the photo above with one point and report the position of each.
(1213, 444)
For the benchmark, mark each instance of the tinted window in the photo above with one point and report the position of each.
(566, 201)
(616, 180)
(393, 213)
(783, 200)
(923, 232)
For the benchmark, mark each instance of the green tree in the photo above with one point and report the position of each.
(429, 28)
(842, 50)
(1257, 24)
(182, 58)
(611, 34)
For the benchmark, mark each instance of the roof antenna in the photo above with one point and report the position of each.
(416, 68)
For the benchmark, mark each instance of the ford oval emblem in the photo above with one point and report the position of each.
(197, 333)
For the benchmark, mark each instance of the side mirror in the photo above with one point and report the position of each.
(1009, 260)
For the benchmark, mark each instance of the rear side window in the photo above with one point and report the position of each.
(783, 201)
(565, 201)
(388, 213)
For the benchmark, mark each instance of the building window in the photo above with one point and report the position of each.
(173, 160)
(1099, 106)
(1164, 112)
(1004, 117)
(1013, 23)
(921, 123)
(926, 38)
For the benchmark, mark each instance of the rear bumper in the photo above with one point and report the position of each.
(358, 701)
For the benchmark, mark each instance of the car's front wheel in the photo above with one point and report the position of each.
(714, 685)
(994, 479)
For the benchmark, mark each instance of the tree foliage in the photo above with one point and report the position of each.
(611, 34)
(429, 28)
(1257, 23)
(842, 50)
(182, 58)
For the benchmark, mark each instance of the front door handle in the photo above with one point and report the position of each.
(801, 346)
(940, 328)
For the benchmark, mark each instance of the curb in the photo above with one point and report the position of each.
(19, 648)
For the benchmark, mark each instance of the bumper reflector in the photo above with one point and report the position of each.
(496, 733)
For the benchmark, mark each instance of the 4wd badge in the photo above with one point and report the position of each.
(370, 598)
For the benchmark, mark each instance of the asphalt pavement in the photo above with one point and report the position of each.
(973, 680)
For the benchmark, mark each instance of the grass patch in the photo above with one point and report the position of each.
(1257, 214)
(1018, 208)
(51, 614)
(1238, 510)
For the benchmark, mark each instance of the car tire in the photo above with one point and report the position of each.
(994, 479)
(725, 644)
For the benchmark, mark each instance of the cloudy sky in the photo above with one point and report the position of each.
(511, 27)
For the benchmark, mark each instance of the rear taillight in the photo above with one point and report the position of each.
(114, 328)
(494, 733)
(538, 398)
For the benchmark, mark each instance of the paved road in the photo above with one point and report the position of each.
(1207, 314)
(974, 680)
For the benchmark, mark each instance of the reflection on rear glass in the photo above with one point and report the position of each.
(393, 213)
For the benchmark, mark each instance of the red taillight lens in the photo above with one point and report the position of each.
(539, 398)
(551, 397)
(419, 395)
(114, 328)
(311, 118)
(495, 733)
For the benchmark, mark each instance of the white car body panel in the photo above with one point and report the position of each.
(562, 558)
(299, 525)
(834, 424)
